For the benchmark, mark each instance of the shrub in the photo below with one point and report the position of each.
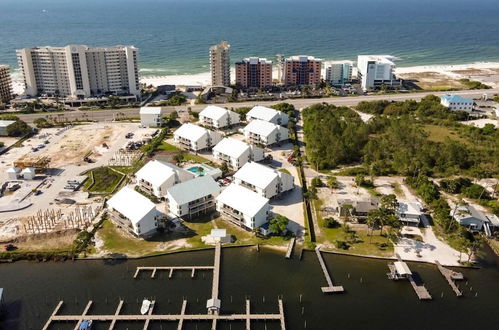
(331, 223)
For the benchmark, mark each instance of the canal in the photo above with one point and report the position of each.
(32, 290)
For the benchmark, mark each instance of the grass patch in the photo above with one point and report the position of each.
(102, 179)
(397, 189)
(283, 170)
(167, 147)
(195, 158)
(438, 133)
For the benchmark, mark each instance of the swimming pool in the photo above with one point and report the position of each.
(197, 170)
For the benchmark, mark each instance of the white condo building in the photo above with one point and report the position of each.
(218, 117)
(79, 71)
(265, 133)
(156, 177)
(192, 197)
(265, 181)
(133, 212)
(243, 207)
(376, 70)
(338, 73)
(196, 138)
(151, 116)
(457, 103)
(220, 64)
(268, 114)
(236, 153)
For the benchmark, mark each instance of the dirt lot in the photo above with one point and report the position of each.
(432, 80)
(56, 240)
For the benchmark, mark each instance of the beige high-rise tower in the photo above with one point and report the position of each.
(220, 64)
(5, 84)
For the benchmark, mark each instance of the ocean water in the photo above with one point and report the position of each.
(174, 35)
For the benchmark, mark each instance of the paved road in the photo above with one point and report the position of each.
(108, 115)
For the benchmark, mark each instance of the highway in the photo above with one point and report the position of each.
(109, 115)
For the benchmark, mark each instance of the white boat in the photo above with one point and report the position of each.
(146, 304)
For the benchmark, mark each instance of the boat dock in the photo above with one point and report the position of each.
(291, 245)
(400, 270)
(331, 288)
(451, 277)
(247, 317)
(171, 269)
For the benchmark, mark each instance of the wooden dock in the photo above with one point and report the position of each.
(331, 288)
(247, 317)
(171, 269)
(291, 245)
(451, 277)
(419, 288)
(216, 271)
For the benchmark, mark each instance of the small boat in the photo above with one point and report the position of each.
(146, 304)
(85, 325)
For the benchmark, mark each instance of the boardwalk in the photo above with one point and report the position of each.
(331, 288)
(451, 276)
(171, 269)
(291, 245)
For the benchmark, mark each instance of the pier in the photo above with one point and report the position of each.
(451, 277)
(291, 245)
(400, 270)
(213, 305)
(331, 288)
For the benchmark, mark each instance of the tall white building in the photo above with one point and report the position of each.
(338, 73)
(220, 64)
(80, 71)
(376, 70)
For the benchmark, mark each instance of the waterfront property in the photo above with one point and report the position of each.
(196, 138)
(470, 217)
(261, 132)
(193, 197)
(457, 103)
(5, 85)
(254, 73)
(218, 117)
(375, 71)
(410, 213)
(79, 71)
(243, 207)
(4, 125)
(267, 114)
(151, 116)
(356, 208)
(302, 70)
(265, 181)
(133, 212)
(157, 176)
(220, 64)
(399, 270)
(338, 73)
(236, 153)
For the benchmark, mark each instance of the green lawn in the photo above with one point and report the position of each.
(104, 178)
(441, 133)
(283, 170)
(166, 147)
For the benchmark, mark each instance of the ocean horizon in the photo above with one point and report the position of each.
(173, 37)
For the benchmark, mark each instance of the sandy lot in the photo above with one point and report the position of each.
(432, 80)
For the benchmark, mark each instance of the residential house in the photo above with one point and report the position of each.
(357, 208)
(193, 197)
(196, 138)
(410, 213)
(457, 103)
(156, 177)
(236, 153)
(265, 181)
(468, 216)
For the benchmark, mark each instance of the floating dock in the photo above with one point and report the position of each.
(451, 277)
(400, 270)
(331, 288)
(291, 245)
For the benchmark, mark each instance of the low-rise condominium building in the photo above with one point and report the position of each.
(243, 207)
(265, 181)
(457, 103)
(268, 114)
(151, 116)
(261, 132)
(79, 71)
(156, 177)
(193, 197)
(133, 212)
(302, 70)
(254, 73)
(196, 138)
(374, 71)
(236, 153)
(4, 126)
(338, 73)
(218, 117)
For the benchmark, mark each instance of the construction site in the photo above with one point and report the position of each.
(42, 181)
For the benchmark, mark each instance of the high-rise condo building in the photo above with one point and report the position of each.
(279, 61)
(5, 84)
(79, 71)
(220, 64)
(376, 70)
(302, 70)
(254, 73)
(338, 73)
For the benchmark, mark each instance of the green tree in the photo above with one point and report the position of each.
(333, 182)
(224, 168)
(278, 224)
(18, 128)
